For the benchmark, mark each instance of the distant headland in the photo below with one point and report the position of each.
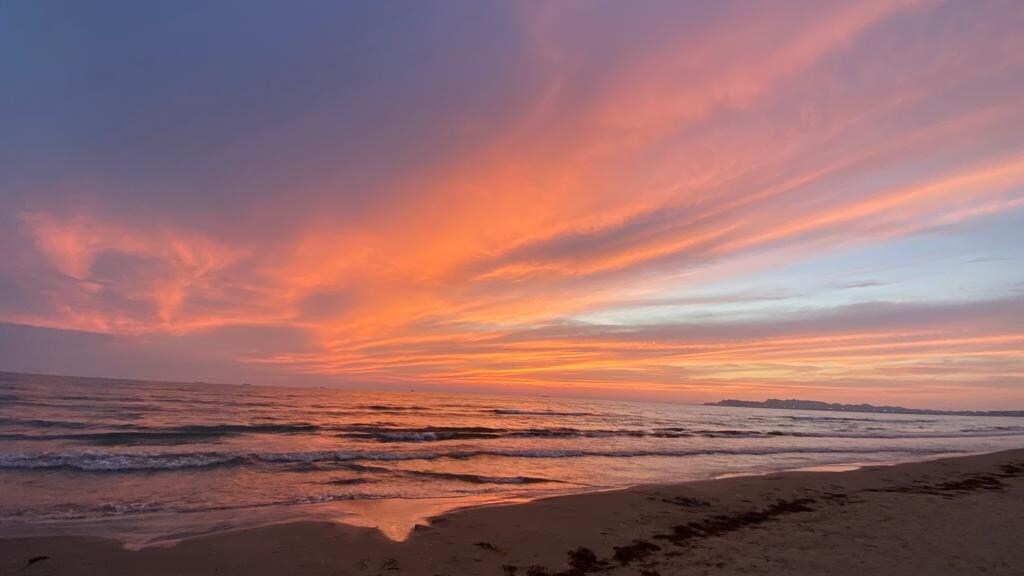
(777, 404)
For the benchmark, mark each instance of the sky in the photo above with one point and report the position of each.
(668, 200)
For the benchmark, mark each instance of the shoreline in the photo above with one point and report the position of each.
(950, 515)
(396, 518)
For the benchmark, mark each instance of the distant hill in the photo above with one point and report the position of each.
(777, 404)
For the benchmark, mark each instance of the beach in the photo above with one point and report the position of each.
(456, 288)
(961, 515)
(151, 463)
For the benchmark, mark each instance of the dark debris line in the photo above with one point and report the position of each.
(583, 561)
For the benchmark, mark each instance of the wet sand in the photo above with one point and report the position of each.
(952, 516)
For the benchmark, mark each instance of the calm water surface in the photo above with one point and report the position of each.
(146, 462)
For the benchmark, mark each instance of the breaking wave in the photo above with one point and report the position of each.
(130, 435)
(152, 462)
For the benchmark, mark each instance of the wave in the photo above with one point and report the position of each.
(133, 435)
(477, 478)
(514, 412)
(441, 433)
(150, 462)
(391, 408)
(128, 435)
(93, 462)
(349, 481)
(40, 423)
(996, 429)
(394, 434)
(81, 512)
(856, 419)
(422, 434)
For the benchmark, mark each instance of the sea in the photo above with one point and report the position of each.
(150, 463)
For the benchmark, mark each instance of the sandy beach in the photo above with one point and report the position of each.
(961, 515)
(563, 288)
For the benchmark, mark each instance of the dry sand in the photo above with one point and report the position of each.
(952, 516)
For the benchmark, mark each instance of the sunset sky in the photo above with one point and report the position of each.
(674, 200)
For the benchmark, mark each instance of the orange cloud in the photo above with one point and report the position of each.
(173, 266)
(676, 162)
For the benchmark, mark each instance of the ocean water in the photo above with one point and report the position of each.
(153, 462)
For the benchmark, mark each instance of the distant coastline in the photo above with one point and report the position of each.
(792, 404)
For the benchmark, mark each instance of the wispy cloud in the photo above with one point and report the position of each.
(470, 200)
